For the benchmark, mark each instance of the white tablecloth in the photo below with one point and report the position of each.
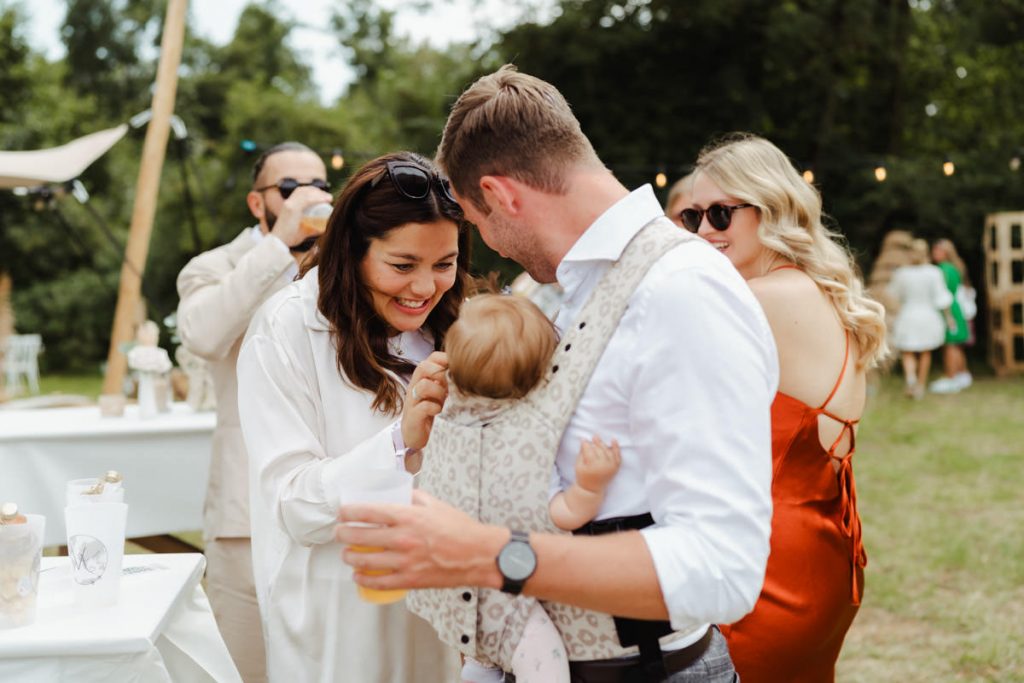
(165, 462)
(161, 629)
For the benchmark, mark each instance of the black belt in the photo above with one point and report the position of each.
(633, 669)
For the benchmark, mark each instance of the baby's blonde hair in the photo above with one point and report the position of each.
(753, 170)
(499, 346)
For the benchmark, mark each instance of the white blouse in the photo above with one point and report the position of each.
(305, 428)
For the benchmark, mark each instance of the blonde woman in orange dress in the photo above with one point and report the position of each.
(752, 205)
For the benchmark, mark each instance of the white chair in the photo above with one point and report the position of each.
(21, 359)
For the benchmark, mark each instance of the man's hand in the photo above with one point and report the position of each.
(287, 227)
(428, 544)
(597, 464)
(424, 399)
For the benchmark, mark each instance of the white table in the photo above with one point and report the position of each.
(165, 462)
(160, 630)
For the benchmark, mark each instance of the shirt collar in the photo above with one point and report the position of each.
(607, 237)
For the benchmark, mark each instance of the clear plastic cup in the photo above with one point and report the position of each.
(21, 552)
(377, 486)
(314, 219)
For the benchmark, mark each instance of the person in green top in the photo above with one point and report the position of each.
(955, 373)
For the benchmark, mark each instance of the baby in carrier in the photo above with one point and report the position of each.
(498, 350)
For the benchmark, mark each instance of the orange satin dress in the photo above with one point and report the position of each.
(815, 573)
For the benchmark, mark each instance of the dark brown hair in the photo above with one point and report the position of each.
(500, 346)
(368, 208)
(261, 161)
(512, 124)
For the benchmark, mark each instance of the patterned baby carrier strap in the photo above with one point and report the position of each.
(500, 473)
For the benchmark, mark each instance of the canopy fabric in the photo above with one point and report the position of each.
(57, 164)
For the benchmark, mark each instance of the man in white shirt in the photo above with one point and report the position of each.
(685, 385)
(219, 291)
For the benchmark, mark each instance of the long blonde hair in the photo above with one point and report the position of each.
(952, 256)
(755, 171)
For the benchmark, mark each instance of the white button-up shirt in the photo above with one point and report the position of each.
(685, 385)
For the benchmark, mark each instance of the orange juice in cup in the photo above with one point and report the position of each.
(374, 595)
(314, 219)
(376, 486)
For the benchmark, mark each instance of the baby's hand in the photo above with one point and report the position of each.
(597, 464)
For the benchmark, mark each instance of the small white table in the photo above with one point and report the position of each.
(165, 461)
(160, 630)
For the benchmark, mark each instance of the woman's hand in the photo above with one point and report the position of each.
(424, 399)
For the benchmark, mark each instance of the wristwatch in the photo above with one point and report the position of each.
(516, 562)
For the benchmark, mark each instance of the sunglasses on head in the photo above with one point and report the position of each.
(413, 181)
(288, 185)
(719, 216)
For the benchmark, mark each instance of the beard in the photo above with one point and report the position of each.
(517, 246)
(270, 218)
(302, 247)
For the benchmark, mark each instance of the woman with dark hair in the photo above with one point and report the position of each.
(338, 373)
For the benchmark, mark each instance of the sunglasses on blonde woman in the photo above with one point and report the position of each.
(719, 216)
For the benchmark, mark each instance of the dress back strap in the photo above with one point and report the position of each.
(842, 373)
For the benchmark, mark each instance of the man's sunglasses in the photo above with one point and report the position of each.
(413, 181)
(288, 185)
(719, 216)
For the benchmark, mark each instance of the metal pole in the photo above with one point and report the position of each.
(153, 150)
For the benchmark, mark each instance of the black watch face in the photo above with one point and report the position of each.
(517, 561)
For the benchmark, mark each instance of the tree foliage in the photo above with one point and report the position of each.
(841, 85)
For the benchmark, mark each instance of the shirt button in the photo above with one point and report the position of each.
(464, 639)
(467, 596)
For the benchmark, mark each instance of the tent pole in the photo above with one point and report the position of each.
(153, 151)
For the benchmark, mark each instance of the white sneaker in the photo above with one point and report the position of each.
(963, 379)
(945, 385)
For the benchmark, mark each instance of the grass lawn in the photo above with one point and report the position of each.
(89, 386)
(940, 494)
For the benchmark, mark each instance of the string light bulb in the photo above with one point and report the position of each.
(809, 176)
(661, 180)
(947, 167)
(337, 160)
(880, 173)
(1015, 163)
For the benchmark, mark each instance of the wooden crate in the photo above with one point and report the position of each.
(1004, 281)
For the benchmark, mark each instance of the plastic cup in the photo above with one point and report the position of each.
(21, 552)
(96, 524)
(112, 405)
(377, 486)
(314, 219)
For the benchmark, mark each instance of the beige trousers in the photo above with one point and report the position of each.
(232, 593)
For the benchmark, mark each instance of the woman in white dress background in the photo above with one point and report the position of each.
(322, 378)
(923, 317)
